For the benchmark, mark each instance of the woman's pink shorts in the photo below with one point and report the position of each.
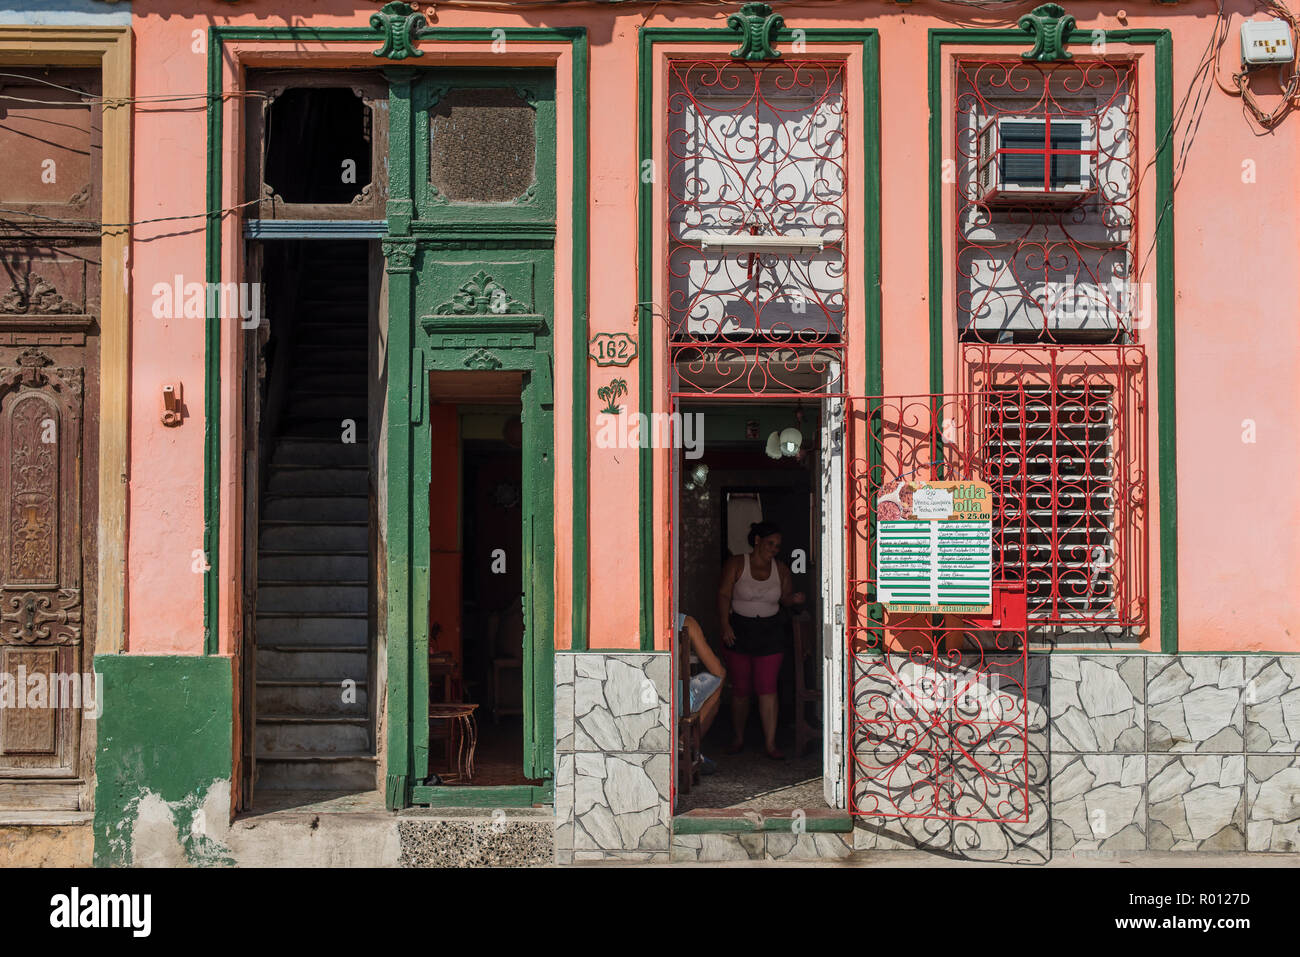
(753, 673)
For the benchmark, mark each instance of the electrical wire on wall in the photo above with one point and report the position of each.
(1288, 75)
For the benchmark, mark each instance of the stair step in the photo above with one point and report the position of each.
(322, 566)
(308, 697)
(303, 536)
(278, 734)
(312, 597)
(290, 450)
(293, 629)
(324, 381)
(338, 407)
(315, 506)
(317, 662)
(300, 479)
(332, 772)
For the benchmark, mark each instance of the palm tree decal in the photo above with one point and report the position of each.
(609, 394)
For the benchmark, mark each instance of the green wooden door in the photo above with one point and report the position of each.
(471, 264)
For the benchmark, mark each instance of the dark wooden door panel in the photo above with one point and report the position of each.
(49, 390)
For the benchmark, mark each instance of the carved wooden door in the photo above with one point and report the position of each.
(49, 389)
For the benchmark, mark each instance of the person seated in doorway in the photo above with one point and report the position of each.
(751, 593)
(706, 687)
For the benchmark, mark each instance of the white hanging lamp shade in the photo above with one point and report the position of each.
(774, 445)
(791, 440)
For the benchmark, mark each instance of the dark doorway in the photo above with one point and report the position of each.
(744, 484)
(476, 633)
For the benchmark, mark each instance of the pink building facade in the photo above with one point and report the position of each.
(436, 373)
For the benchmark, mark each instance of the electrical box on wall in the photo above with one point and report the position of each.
(1266, 41)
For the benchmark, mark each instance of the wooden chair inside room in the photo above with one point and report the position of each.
(688, 723)
(805, 661)
(445, 688)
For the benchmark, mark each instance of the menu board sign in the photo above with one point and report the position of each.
(934, 547)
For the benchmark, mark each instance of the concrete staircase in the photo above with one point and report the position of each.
(313, 551)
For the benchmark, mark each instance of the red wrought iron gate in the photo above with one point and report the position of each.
(938, 704)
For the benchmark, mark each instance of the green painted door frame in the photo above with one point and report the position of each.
(406, 236)
(471, 291)
(1162, 44)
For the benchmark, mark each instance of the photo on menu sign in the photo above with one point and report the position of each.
(934, 547)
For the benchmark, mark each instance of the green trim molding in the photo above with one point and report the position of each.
(1166, 444)
(647, 295)
(163, 759)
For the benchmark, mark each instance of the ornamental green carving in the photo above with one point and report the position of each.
(1050, 26)
(481, 295)
(480, 360)
(757, 25)
(400, 26)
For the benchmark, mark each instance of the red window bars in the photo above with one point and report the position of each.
(940, 706)
(1048, 306)
(756, 220)
(1077, 532)
(1046, 213)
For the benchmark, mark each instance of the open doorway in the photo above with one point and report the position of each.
(745, 477)
(476, 660)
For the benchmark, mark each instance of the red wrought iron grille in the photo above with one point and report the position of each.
(1077, 536)
(1046, 212)
(939, 706)
(756, 207)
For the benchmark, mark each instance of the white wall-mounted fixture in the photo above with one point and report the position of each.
(745, 243)
(773, 448)
(1266, 41)
(1012, 166)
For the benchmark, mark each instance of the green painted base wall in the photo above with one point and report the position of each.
(164, 749)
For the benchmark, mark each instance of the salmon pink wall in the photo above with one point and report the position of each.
(1236, 253)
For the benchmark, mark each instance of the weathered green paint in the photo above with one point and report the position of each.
(1166, 394)
(523, 795)
(579, 547)
(404, 233)
(212, 353)
(399, 224)
(648, 315)
(537, 205)
(436, 280)
(166, 734)
(753, 822)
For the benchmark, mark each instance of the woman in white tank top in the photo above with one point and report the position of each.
(750, 596)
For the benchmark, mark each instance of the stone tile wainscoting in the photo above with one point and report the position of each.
(613, 762)
(1141, 752)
